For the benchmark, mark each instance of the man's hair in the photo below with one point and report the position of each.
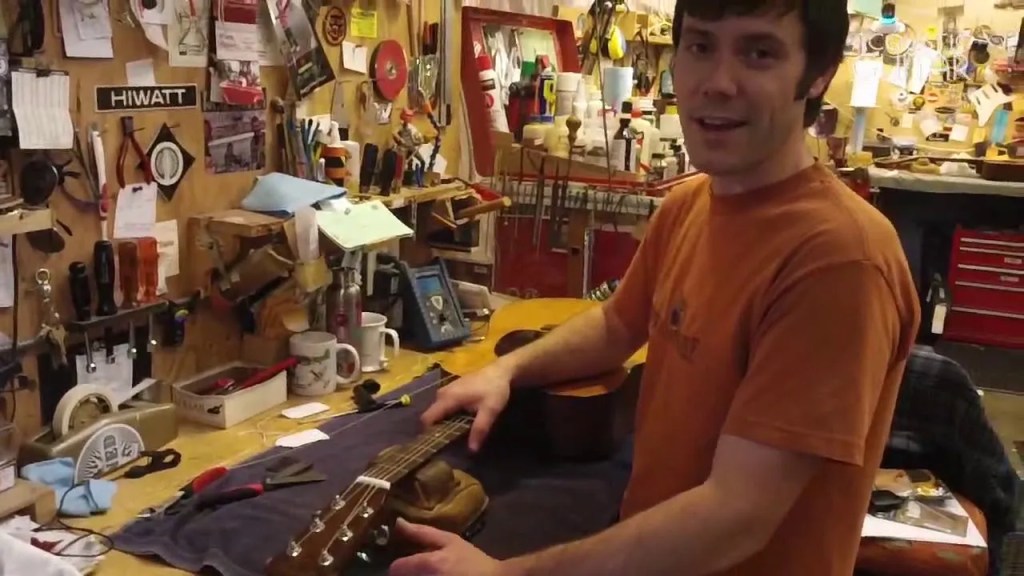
(825, 22)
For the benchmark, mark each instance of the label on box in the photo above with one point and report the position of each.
(7, 476)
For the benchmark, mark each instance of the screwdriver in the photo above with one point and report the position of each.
(103, 271)
(128, 254)
(148, 276)
(81, 294)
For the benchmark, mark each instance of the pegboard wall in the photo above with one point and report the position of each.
(210, 339)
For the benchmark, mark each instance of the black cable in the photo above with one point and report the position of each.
(58, 524)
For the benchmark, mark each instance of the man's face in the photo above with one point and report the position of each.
(736, 82)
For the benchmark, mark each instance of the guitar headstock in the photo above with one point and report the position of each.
(347, 529)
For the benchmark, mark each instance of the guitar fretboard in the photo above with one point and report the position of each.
(413, 455)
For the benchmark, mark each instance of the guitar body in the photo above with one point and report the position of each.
(585, 419)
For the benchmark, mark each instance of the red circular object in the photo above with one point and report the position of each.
(389, 70)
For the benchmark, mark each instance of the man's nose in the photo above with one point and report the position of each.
(722, 78)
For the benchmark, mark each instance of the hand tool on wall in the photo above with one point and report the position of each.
(128, 257)
(292, 473)
(100, 159)
(149, 279)
(128, 131)
(103, 273)
(81, 293)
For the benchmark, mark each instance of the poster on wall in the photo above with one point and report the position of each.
(188, 44)
(308, 67)
(235, 139)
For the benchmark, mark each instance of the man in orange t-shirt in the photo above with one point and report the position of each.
(778, 310)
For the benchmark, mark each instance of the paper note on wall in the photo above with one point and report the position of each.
(960, 133)
(921, 68)
(867, 74)
(363, 23)
(41, 104)
(135, 213)
(166, 234)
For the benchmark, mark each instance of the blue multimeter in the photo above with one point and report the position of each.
(431, 310)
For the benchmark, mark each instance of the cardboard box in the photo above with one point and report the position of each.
(226, 411)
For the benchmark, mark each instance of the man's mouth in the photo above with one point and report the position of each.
(719, 123)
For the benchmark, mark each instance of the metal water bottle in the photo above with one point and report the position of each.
(350, 323)
(332, 313)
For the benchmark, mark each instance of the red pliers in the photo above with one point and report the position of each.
(288, 473)
(128, 140)
(186, 493)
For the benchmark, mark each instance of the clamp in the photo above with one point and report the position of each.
(128, 139)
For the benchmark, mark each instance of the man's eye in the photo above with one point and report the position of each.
(760, 54)
(698, 48)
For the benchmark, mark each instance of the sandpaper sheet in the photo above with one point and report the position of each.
(533, 504)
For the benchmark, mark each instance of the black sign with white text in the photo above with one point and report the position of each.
(160, 97)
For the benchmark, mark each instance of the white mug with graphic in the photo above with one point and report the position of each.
(373, 344)
(316, 373)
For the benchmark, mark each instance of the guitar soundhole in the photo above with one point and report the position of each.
(515, 340)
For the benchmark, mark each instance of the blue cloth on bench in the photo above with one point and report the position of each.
(533, 504)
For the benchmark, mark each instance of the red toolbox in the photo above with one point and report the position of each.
(986, 284)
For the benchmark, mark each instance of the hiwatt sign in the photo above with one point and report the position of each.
(159, 97)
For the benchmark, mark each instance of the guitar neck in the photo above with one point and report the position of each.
(413, 455)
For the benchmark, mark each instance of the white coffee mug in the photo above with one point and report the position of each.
(373, 342)
(316, 373)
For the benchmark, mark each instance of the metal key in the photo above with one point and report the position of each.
(56, 336)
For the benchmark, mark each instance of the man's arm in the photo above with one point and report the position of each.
(593, 342)
(702, 531)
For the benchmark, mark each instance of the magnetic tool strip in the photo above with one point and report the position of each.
(533, 505)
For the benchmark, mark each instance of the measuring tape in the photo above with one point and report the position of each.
(389, 70)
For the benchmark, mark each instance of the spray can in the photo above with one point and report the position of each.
(492, 93)
(547, 93)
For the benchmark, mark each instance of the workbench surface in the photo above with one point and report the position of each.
(203, 448)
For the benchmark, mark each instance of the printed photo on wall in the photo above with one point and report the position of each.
(235, 140)
(308, 68)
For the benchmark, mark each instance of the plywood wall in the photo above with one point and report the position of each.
(211, 340)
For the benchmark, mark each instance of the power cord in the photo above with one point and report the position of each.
(58, 524)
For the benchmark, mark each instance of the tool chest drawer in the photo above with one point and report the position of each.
(985, 327)
(986, 285)
(1005, 279)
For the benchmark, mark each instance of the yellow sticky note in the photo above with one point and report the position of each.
(364, 23)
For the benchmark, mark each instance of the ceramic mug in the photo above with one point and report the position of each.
(373, 342)
(316, 373)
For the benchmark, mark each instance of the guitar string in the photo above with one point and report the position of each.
(362, 418)
(439, 433)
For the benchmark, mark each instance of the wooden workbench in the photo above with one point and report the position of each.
(204, 448)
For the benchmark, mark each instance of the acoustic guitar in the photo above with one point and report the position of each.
(583, 419)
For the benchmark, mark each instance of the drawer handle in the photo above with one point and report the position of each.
(1014, 261)
(1012, 279)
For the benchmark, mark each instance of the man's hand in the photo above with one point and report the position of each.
(485, 393)
(447, 555)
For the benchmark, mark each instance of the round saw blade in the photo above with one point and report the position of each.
(389, 70)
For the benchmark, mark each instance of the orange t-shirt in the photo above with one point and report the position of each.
(784, 316)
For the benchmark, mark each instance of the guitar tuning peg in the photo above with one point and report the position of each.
(293, 549)
(325, 559)
(318, 524)
(382, 535)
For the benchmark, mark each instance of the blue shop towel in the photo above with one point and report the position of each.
(83, 499)
(281, 194)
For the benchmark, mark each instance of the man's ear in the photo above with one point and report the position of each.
(821, 84)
